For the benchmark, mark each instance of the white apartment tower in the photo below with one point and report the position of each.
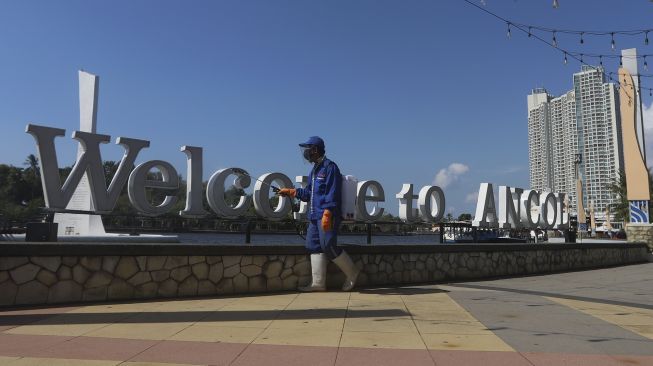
(583, 121)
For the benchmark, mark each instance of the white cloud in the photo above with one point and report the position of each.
(647, 113)
(513, 169)
(450, 174)
(471, 197)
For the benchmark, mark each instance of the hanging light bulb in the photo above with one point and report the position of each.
(645, 64)
(581, 38)
(600, 60)
(509, 30)
(646, 38)
(565, 60)
(529, 32)
(555, 4)
(612, 42)
(650, 92)
(621, 61)
(581, 58)
(554, 40)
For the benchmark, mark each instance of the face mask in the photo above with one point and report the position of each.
(306, 153)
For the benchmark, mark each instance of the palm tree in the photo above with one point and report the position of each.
(618, 189)
(31, 176)
(32, 163)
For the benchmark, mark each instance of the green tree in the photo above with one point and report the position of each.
(20, 192)
(110, 168)
(618, 189)
(465, 217)
(32, 177)
(32, 163)
(389, 217)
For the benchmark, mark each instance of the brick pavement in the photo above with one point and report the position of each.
(600, 317)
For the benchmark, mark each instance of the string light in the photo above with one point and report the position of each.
(555, 4)
(509, 30)
(639, 75)
(578, 56)
(645, 64)
(584, 32)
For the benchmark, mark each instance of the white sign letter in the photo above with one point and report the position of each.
(138, 182)
(377, 195)
(486, 212)
(428, 196)
(194, 205)
(509, 207)
(406, 211)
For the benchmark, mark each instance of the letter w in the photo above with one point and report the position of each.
(90, 162)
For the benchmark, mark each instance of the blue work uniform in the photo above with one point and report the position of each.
(323, 192)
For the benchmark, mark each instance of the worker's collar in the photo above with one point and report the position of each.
(319, 161)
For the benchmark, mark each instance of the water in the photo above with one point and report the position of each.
(294, 239)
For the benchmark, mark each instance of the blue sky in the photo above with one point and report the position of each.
(400, 90)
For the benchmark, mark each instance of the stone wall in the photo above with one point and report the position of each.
(32, 279)
(640, 233)
(53, 279)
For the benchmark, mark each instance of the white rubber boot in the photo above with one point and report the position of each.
(319, 263)
(351, 271)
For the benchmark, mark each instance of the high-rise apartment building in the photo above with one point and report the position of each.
(583, 121)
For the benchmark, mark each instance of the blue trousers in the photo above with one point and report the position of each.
(320, 241)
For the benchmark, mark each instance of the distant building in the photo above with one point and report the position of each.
(583, 121)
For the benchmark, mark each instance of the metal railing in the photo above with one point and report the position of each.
(458, 231)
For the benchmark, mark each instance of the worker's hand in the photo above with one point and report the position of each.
(327, 221)
(288, 192)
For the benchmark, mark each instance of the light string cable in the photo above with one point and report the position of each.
(583, 33)
(575, 55)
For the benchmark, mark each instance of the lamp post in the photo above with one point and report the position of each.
(580, 210)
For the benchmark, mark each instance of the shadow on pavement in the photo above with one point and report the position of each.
(195, 316)
(402, 291)
(553, 294)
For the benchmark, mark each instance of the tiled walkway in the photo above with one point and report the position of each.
(580, 318)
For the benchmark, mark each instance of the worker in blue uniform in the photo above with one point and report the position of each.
(323, 193)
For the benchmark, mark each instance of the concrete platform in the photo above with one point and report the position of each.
(598, 317)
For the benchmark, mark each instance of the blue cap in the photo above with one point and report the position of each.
(314, 141)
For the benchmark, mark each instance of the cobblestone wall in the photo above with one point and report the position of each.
(61, 279)
(640, 233)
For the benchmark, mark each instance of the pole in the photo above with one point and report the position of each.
(369, 233)
(248, 232)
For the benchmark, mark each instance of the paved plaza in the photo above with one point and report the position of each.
(598, 317)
